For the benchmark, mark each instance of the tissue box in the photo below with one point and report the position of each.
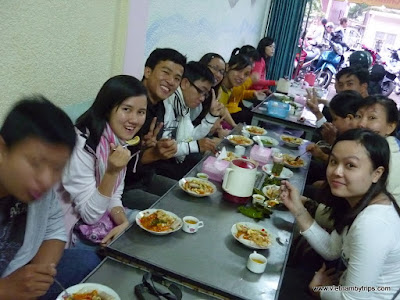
(214, 168)
(278, 109)
(260, 154)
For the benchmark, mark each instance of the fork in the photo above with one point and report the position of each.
(66, 295)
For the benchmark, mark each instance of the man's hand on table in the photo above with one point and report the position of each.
(317, 152)
(29, 282)
(166, 148)
(206, 144)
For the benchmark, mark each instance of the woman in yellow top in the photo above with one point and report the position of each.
(240, 113)
(238, 71)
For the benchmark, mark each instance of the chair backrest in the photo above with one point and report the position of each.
(76, 109)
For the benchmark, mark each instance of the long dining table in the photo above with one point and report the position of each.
(212, 260)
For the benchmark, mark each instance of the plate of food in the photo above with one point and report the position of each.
(291, 141)
(285, 174)
(255, 130)
(272, 193)
(158, 221)
(291, 162)
(240, 140)
(252, 235)
(197, 187)
(229, 155)
(266, 141)
(90, 291)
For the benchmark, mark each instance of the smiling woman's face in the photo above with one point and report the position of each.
(237, 77)
(217, 67)
(350, 171)
(127, 118)
(374, 118)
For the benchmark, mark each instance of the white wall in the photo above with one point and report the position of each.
(195, 27)
(67, 49)
(62, 49)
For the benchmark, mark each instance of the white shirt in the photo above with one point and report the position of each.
(370, 249)
(79, 195)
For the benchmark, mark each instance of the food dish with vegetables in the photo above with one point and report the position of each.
(271, 191)
(285, 174)
(266, 141)
(197, 187)
(229, 156)
(255, 130)
(240, 140)
(291, 141)
(158, 221)
(251, 235)
(291, 162)
(89, 291)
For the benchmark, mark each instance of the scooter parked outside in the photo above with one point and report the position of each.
(328, 64)
(393, 67)
(305, 61)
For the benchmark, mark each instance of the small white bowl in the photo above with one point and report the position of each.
(258, 199)
(202, 176)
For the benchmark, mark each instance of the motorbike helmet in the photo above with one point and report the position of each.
(361, 59)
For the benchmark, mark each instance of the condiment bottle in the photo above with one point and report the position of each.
(277, 167)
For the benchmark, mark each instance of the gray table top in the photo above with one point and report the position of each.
(212, 258)
(127, 277)
(262, 111)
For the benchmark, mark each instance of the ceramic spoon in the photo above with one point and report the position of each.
(132, 142)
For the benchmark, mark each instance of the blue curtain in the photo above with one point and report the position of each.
(285, 28)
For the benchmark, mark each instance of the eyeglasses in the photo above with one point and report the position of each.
(215, 68)
(200, 91)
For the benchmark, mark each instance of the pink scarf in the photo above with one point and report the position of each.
(102, 153)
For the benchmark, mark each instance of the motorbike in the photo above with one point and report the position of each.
(328, 64)
(393, 68)
(383, 75)
(304, 63)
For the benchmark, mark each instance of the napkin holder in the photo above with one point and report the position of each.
(278, 109)
(260, 154)
(215, 168)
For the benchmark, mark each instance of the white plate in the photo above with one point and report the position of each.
(298, 140)
(293, 157)
(188, 179)
(271, 140)
(268, 187)
(249, 141)
(176, 225)
(249, 243)
(249, 127)
(285, 174)
(88, 287)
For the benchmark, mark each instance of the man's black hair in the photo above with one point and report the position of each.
(361, 74)
(195, 71)
(164, 54)
(37, 117)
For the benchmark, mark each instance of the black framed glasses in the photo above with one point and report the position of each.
(215, 68)
(200, 91)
